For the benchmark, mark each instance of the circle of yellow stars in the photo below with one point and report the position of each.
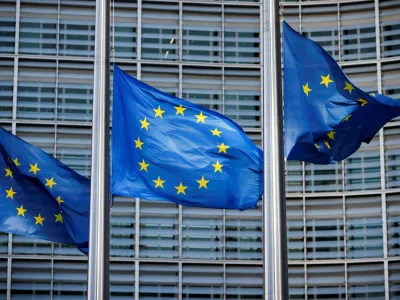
(200, 118)
(21, 210)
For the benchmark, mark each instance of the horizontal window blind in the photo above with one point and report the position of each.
(164, 78)
(160, 29)
(391, 79)
(364, 77)
(125, 18)
(42, 136)
(122, 280)
(295, 228)
(202, 233)
(394, 280)
(202, 282)
(6, 87)
(325, 228)
(75, 91)
(158, 229)
(3, 243)
(3, 278)
(390, 27)
(36, 89)
(244, 282)
(392, 156)
(326, 282)
(393, 224)
(291, 14)
(357, 25)
(364, 226)
(243, 234)
(294, 176)
(38, 28)
(365, 281)
(323, 178)
(7, 26)
(296, 282)
(70, 279)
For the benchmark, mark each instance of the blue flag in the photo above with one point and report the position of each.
(165, 148)
(42, 197)
(326, 116)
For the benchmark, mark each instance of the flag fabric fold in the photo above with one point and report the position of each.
(165, 148)
(42, 198)
(326, 117)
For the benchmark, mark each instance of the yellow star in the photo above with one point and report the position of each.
(327, 144)
(59, 200)
(362, 102)
(181, 189)
(21, 211)
(222, 148)
(326, 80)
(8, 172)
(10, 193)
(180, 110)
(306, 89)
(348, 87)
(59, 218)
(347, 118)
(34, 168)
(16, 162)
(39, 220)
(145, 124)
(159, 112)
(138, 143)
(143, 165)
(218, 167)
(50, 182)
(202, 182)
(331, 135)
(316, 145)
(216, 132)
(159, 182)
(200, 117)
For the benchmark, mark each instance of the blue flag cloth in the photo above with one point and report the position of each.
(326, 117)
(42, 197)
(165, 148)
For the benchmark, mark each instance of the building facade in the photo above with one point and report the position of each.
(343, 219)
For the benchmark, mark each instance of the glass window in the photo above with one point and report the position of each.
(38, 28)
(244, 282)
(31, 279)
(164, 78)
(203, 86)
(255, 136)
(122, 280)
(158, 281)
(7, 26)
(70, 279)
(125, 15)
(3, 278)
(323, 178)
(75, 91)
(202, 282)
(326, 282)
(3, 243)
(242, 94)
(202, 32)
(123, 227)
(295, 228)
(320, 24)
(393, 224)
(160, 29)
(242, 34)
(296, 282)
(77, 22)
(364, 226)
(294, 176)
(324, 225)
(390, 27)
(365, 281)
(394, 280)
(158, 229)
(202, 233)
(363, 169)
(40, 136)
(243, 234)
(364, 77)
(6, 87)
(36, 89)
(391, 79)
(357, 25)
(392, 156)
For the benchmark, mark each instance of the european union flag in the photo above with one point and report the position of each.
(165, 148)
(42, 197)
(326, 116)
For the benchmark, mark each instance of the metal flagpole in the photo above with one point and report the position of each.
(274, 216)
(99, 239)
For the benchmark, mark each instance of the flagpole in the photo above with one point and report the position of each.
(99, 238)
(274, 215)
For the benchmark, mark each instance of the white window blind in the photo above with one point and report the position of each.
(365, 281)
(364, 226)
(7, 26)
(3, 243)
(3, 278)
(70, 279)
(364, 77)
(291, 14)
(296, 282)
(392, 156)
(394, 280)
(158, 229)
(295, 228)
(324, 223)
(122, 280)
(323, 178)
(42, 136)
(390, 27)
(244, 282)
(391, 79)
(294, 176)
(326, 282)
(202, 233)
(164, 78)
(393, 224)
(6, 87)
